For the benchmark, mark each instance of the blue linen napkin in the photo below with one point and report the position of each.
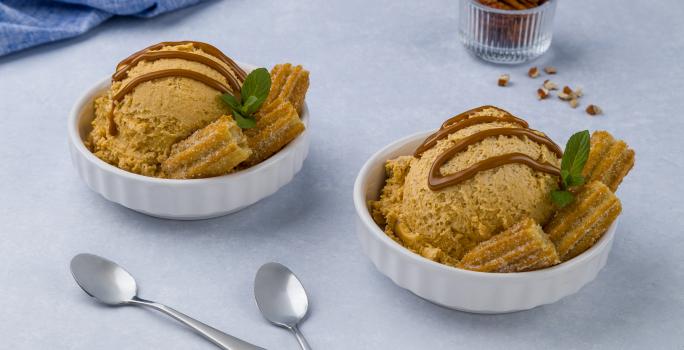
(26, 23)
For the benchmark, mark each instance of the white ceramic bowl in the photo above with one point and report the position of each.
(180, 199)
(459, 289)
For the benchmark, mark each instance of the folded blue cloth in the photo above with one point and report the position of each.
(26, 23)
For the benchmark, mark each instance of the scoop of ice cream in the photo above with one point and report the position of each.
(442, 225)
(157, 113)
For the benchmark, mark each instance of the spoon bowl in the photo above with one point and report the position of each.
(103, 280)
(280, 295)
(281, 298)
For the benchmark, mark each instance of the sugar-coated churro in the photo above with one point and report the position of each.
(522, 247)
(289, 83)
(213, 150)
(609, 160)
(578, 226)
(277, 124)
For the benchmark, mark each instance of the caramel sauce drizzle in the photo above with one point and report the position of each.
(210, 49)
(437, 182)
(465, 115)
(435, 179)
(126, 64)
(463, 121)
(188, 56)
(170, 73)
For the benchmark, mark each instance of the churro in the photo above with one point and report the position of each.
(609, 160)
(578, 226)
(277, 124)
(213, 150)
(289, 83)
(522, 247)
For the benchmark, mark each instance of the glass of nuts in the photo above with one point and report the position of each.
(507, 31)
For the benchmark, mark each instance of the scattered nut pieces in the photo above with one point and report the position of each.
(566, 94)
(504, 79)
(594, 110)
(549, 85)
(533, 72)
(542, 93)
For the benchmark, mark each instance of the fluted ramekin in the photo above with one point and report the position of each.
(464, 290)
(180, 199)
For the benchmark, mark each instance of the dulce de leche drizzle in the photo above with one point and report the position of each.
(169, 73)
(437, 182)
(440, 182)
(148, 54)
(188, 56)
(463, 121)
(467, 114)
(210, 49)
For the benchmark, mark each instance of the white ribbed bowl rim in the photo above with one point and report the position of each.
(360, 204)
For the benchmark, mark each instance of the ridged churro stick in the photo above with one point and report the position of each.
(213, 150)
(522, 247)
(609, 160)
(289, 83)
(277, 125)
(578, 226)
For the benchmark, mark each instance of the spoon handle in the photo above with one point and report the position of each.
(300, 338)
(223, 340)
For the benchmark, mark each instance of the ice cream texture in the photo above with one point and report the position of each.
(139, 119)
(443, 224)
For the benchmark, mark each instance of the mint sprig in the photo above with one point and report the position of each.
(574, 158)
(253, 93)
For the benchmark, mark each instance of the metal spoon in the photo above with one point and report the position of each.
(111, 284)
(281, 298)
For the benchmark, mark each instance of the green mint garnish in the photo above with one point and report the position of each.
(561, 198)
(252, 95)
(574, 158)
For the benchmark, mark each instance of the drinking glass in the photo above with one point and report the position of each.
(506, 36)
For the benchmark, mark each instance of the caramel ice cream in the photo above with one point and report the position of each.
(158, 97)
(481, 173)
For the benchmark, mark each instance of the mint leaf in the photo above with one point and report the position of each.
(575, 180)
(248, 105)
(576, 153)
(257, 84)
(565, 176)
(574, 158)
(253, 94)
(231, 101)
(562, 198)
(244, 122)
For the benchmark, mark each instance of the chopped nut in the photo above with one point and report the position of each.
(579, 93)
(549, 85)
(594, 110)
(542, 93)
(533, 72)
(574, 103)
(504, 79)
(564, 96)
(567, 90)
(550, 70)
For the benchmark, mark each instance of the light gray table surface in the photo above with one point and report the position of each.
(380, 70)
